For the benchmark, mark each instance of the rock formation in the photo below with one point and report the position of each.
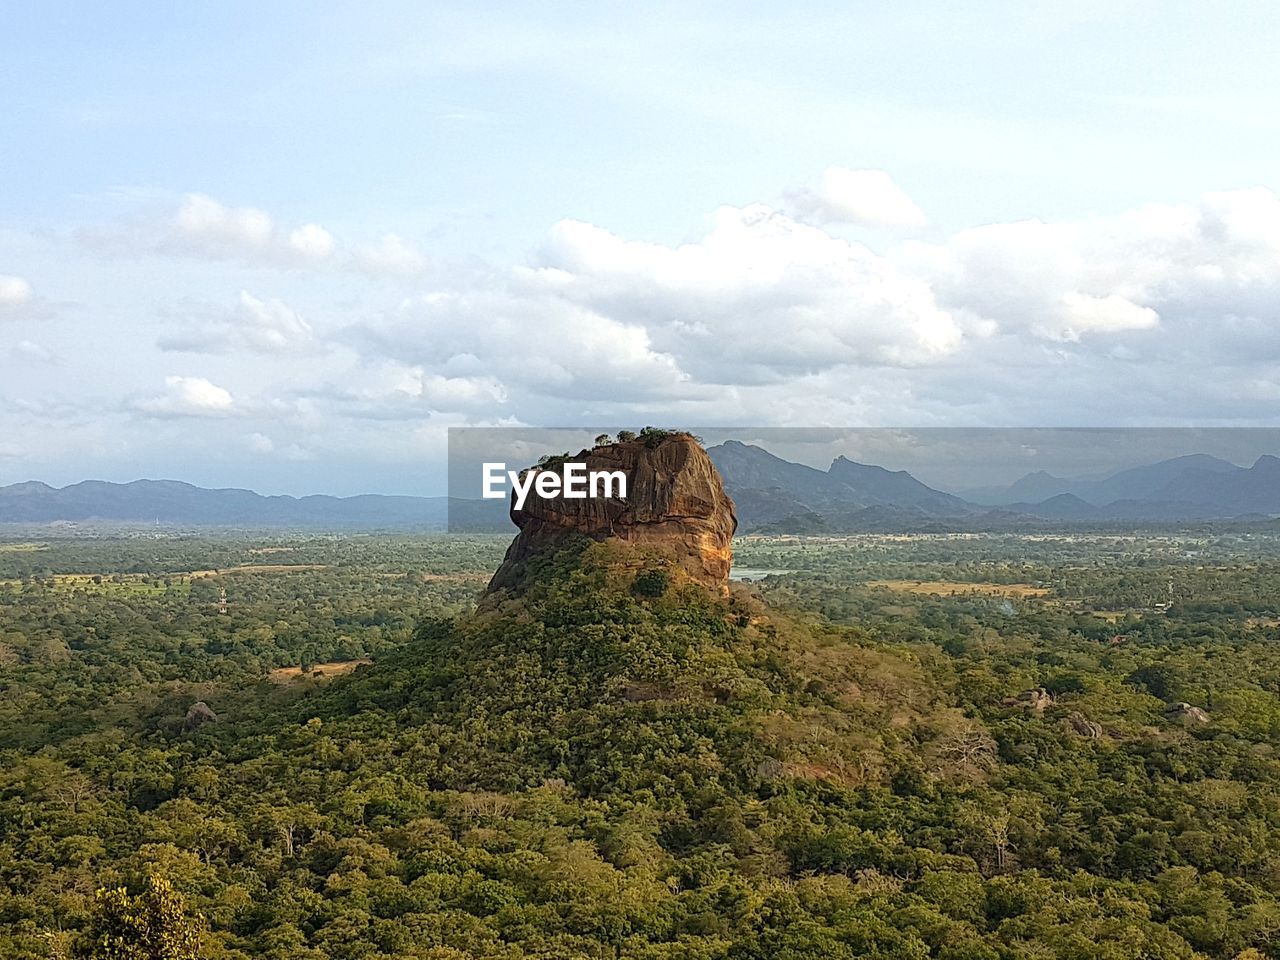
(199, 714)
(675, 505)
(1186, 713)
(1083, 726)
(1038, 700)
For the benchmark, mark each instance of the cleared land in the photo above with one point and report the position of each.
(334, 668)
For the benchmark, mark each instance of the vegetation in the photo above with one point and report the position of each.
(833, 762)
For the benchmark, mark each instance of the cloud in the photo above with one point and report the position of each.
(312, 241)
(863, 197)
(391, 255)
(1083, 313)
(763, 317)
(220, 230)
(260, 443)
(252, 325)
(391, 390)
(14, 292)
(205, 228)
(759, 296)
(1204, 273)
(29, 352)
(188, 397)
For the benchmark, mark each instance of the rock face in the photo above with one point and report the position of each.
(675, 504)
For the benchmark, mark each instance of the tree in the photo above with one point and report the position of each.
(603, 440)
(150, 926)
(651, 582)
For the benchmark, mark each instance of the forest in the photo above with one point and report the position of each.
(955, 746)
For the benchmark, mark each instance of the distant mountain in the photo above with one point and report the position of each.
(174, 502)
(1255, 489)
(1148, 482)
(771, 495)
(896, 488)
(777, 495)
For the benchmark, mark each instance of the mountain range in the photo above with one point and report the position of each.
(776, 495)
(771, 495)
(174, 502)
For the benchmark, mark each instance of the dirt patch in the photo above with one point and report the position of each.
(334, 668)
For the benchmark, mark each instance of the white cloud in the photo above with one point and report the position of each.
(222, 230)
(188, 397)
(1083, 313)
(312, 241)
(1204, 273)
(392, 390)
(253, 325)
(260, 443)
(205, 228)
(864, 197)
(271, 325)
(391, 255)
(758, 291)
(14, 292)
(765, 318)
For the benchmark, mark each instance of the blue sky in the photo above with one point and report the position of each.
(287, 245)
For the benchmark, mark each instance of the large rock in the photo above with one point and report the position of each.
(1083, 726)
(199, 714)
(1186, 713)
(675, 505)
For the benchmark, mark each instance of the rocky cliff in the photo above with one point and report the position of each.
(675, 507)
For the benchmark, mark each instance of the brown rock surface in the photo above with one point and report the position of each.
(675, 504)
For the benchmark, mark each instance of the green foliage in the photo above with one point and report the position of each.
(651, 582)
(817, 766)
(153, 925)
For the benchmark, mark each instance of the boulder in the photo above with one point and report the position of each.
(1083, 726)
(199, 714)
(1186, 713)
(1038, 700)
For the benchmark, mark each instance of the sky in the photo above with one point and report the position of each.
(286, 246)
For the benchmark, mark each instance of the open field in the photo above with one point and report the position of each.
(334, 668)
